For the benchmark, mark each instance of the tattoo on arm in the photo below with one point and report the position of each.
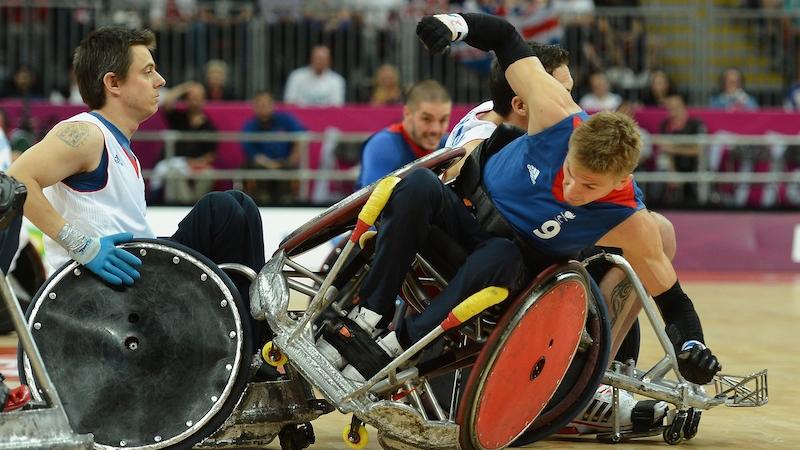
(619, 295)
(73, 134)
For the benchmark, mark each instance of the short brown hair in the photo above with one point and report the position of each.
(607, 143)
(106, 50)
(552, 56)
(426, 91)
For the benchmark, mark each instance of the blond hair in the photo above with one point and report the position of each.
(427, 91)
(607, 143)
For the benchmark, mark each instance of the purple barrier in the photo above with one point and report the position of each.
(737, 241)
(230, 116)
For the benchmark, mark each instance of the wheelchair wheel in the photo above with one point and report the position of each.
(581, 380)
(523, 363)
(158, 365)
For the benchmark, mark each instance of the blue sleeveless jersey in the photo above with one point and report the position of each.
(524, 179)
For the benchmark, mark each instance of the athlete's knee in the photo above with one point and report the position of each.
(419, 189)
(225, 206)
(667, 232)
(420, 182)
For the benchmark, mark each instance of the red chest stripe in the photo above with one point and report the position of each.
(418, 151)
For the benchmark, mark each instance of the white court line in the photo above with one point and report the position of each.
(796, 244)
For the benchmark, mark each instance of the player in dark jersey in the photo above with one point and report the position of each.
(564, 186)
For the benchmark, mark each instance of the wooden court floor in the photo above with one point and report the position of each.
(751, 323)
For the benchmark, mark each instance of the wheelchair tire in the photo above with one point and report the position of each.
(147, 366)
(582, 379)
(523, 362)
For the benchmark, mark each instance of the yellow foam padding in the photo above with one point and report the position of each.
(377, 200)
(479, 301)
(365, 237)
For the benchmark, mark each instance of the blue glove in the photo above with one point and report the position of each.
(114, 265)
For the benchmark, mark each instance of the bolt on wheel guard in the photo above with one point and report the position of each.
(157, 364)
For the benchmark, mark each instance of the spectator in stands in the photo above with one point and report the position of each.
(600, 98)
(172, 12)
(387, 90)
(69, 94)
(315, 84)
(280, 10)
(216, 81)
(792, 102)
(191, 157)
(22, 84)
(659, 87)
(628, 108)
(271, 155)
(5, 146)
(680, 157)
(732, 96)
(426, 118)
(22, 136)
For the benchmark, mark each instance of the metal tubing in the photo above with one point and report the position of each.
(673, 395)
(303, 288)
(240, 268)
(651, 309)
(303, 270)
(321, 300)
(29, 346)
(437, 408)
(416, 400)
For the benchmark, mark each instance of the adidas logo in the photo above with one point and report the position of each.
(533, 172)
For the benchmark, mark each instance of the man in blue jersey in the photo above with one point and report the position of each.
(564, 186)
(506, 107)
(426, 117)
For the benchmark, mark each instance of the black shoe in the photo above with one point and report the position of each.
(357, 347)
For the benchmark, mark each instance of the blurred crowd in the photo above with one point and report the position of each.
(615, 64)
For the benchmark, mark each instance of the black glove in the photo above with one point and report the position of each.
(434, 34)
(697, 364)
(12, 197)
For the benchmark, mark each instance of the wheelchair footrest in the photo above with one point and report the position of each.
(749, 390)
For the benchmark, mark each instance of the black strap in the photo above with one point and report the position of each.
(469, 185)
(4, 390)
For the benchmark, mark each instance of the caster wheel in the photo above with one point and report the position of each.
(293, 437)
(673, 437)
(355, 439)
(673, 434)
(273, 356)
(692, 424)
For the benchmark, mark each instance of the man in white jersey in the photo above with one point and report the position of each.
(85, 188)
(506, 107)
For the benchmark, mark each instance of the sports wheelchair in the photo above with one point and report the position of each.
(169, 362)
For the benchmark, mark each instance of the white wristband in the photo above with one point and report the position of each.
(456, 24)
(688, 345)
(79, 246)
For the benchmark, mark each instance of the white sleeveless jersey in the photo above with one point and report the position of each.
(470, 127)
(116, 207)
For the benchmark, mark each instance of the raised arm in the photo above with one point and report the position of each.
(548, 101)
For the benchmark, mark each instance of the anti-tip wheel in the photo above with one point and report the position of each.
(273, 356)
(353, 441)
